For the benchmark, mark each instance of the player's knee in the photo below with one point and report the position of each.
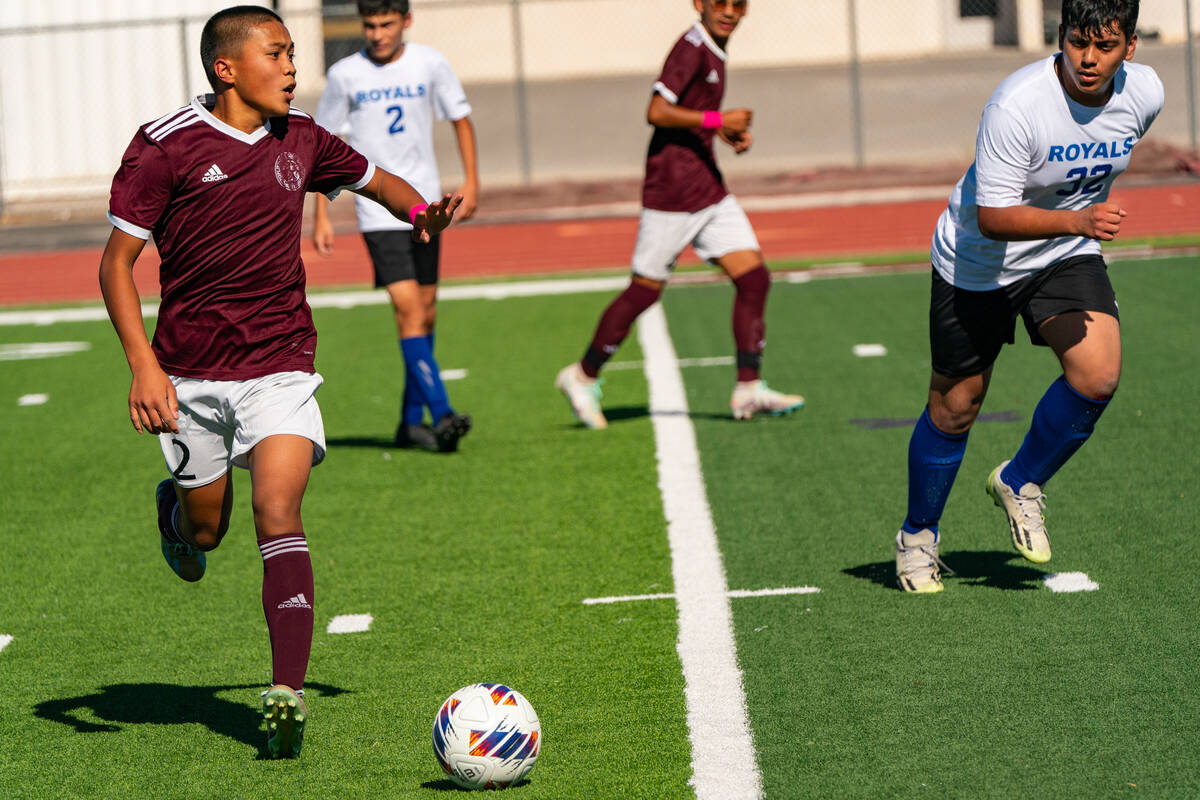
(754, 283)
(1097, 384)
(953, 418)
(276, 515)
(206, 536)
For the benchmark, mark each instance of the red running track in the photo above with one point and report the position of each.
(476, 251)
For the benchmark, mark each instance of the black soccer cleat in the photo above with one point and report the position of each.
(419, 436)
(449, 430)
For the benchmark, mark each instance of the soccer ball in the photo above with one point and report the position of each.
(486, 736)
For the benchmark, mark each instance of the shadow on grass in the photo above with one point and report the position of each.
(168, 704)
(625, 413)
(445, 784)
(990, 568)
(382, 442)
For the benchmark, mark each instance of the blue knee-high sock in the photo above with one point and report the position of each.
(423, 375)
(1062, 422)
(412, 406)
(933, 461)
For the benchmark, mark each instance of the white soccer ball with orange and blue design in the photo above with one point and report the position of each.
(486, 736)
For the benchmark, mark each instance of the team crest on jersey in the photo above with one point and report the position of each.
(289, 172)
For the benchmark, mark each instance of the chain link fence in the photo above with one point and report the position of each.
(559, 88)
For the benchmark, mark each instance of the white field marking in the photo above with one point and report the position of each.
(491, 291)
(869, 350)
(732, 593)
(453, 374)
(32, 399)
(5, 638)
(710, 361)
(349, 623)
(723, 759)
(26, 350)
(1070, 582)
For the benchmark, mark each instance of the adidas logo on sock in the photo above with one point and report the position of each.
(296, 601)
(214, 174)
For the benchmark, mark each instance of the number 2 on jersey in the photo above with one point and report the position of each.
(397, 113)
(1098, 174)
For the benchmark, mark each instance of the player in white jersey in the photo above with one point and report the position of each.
(385, 99)
(1021, 236)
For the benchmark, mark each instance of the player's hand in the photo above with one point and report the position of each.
(1101, 221)
(153, 406)
(735, 121)
(470, 201)
(739, 142)
(436, 217)
(322, 236)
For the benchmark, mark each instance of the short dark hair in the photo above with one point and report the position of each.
(1093, 16)
(226, 31)
(372, 8)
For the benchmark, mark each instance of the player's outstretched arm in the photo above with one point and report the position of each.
(1019, 223)
(464, 134)
(153, 406)
(322, 233)
(397, 196)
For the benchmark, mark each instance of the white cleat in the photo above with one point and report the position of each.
(755, 397)
(1024, 512)
(583, 393)
(917, 562)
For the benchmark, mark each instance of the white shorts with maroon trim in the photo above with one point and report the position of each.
(220, 422)
(715, 231)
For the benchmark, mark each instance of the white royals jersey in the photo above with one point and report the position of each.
(1038, 147)
(387, 111)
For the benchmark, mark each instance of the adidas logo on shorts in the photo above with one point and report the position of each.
(213, 175)
(296, 601)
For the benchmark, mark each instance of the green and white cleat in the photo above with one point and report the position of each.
(1024, 512)
(755, 397)
(583, 393)
(917, 562)
(184, 560)
(285, 715)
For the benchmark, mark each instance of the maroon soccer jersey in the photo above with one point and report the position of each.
(681, 171)
(225, 209)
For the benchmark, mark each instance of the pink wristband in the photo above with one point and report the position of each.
(417, 209)
(712, 120)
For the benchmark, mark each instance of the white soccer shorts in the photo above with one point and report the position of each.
(220, 422)
(715, 231)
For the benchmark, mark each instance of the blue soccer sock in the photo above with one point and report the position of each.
(933, 461)
(1062, 422)
(424, 376)
(412, 406)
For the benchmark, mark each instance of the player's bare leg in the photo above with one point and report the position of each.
(279, 471)
(1088, 345)
(191, 522)
(415, 308)
(752, 283)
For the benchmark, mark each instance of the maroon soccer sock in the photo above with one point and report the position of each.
(287, 594)
(615, 323)
(749, 329)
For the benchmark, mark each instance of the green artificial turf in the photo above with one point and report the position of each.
(122, 681)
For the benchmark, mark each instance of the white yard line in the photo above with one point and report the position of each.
(732, 593)
(723, 760)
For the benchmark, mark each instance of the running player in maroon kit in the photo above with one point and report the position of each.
(229, 379)
(684, 201)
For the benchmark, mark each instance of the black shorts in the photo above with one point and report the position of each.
(967, 329)
(398, 258)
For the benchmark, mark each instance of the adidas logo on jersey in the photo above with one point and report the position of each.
(713, 77)
(296, 601)
(214, 174)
